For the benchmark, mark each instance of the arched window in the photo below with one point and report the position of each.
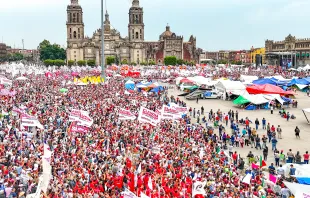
(78, 17)
(70, 30)
(74, 34)
(74, 18)
(133, 33)
(70, 33)
(70, 18)
(137, 35)
(78, 30)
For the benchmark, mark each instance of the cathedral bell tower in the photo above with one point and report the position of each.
(75, 24)
(136, 25)
(75, 31)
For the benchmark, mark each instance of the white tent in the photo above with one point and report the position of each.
(245, 78)
(274, 97)
(306, 111)
(227, 86)
(306, 68)
(256, 99)
(298, 189)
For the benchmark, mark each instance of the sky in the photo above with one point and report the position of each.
(217, 24)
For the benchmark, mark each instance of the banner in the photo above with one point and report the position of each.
(27, 120)
(81, 117)
(75, 128)
(180, 110)
(148, 116)
(124, 114)
(168, 113)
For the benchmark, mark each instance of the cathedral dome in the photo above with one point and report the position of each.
(167, 33)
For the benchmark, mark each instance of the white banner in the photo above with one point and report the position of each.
(180, 110)
(148, 116)
(168, 113)
(125, 115)
(81, 117)
(27, 120)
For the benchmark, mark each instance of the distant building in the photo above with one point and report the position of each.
(289, 52)
(223, 55)
(3, 49)
(132, 48)
(258, 56)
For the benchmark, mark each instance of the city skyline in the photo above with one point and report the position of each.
(218, 25)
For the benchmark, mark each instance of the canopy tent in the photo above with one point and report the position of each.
(306, 111)
(227, 86)
(306, 68)
(130, 85)
(264, 81)
(267, 89)
(253, 99)
(299, 190)
(245, 78)
(143, 84)
(274, 97)
(241, 100)
(296, 81)
(5, 81)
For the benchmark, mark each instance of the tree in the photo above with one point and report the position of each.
(53, 52)
(70, 62)
(133, 63)
(192, 63)
(124, 62)
(59, 62)
(152, 62)
(143, 63)
(81, 63)
(110, 60)
(17, 56)
(91, 63)
(170, 60)
(48, 62)
(180, 61)
(222, 62)
(238, 62)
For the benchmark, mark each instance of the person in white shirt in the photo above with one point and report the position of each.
(281, 171)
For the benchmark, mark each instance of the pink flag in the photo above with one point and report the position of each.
(273, 178)
(254, 166)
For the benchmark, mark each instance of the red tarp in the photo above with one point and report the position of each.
(185, 80)
(267, 89)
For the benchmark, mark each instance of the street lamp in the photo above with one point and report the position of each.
(102, 45)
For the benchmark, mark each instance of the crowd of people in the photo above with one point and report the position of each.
(116, 158)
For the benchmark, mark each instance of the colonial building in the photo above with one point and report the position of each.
(131, 49)
(289, 52)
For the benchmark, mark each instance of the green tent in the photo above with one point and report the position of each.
(193, 87)
(241, 100)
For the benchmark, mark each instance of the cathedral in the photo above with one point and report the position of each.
(130, 49)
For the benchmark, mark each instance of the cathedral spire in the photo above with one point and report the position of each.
(74, 2)
(135, 3)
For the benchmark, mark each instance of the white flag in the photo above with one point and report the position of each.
(139, 170)
(247, 179)
(198, 188)
(150, 184)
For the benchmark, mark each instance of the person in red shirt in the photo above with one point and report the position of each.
(235, 157)
(306, 158)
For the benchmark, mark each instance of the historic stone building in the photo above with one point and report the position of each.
(132, 48)
(289, 51)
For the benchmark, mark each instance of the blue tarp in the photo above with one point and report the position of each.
(157, 89)
(302, 81)
(264, 81)
(286, 99)
(142, 85)
(303, 180)
(130, 86)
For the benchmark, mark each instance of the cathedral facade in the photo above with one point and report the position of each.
(132, 48)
